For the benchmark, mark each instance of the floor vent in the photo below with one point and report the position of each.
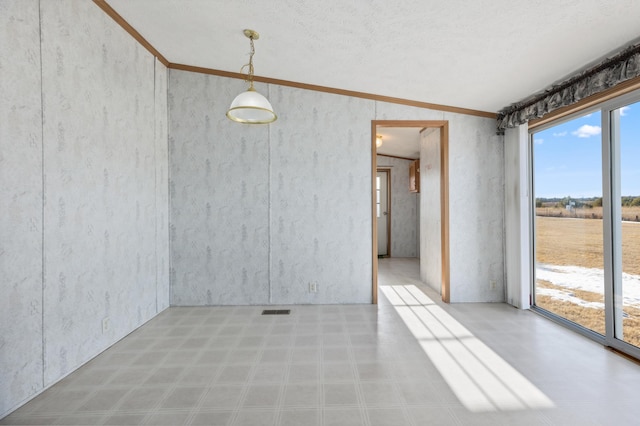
(276, 312)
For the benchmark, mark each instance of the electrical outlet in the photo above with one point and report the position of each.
(106, 325)
(493, 284)
(313, 287)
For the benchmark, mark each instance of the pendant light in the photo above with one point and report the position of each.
(251, 107)
(378, 141)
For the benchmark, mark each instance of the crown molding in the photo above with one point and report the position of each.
(395, 156)
(325, 89)
(102, 4)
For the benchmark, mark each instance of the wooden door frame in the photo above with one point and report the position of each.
(443, 125)
(388, 172)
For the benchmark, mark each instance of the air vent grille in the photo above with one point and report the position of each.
(276, 312)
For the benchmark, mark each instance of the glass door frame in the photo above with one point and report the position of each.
(612, 223)
(611, 201)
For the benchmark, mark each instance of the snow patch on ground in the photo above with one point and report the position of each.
(587, 279)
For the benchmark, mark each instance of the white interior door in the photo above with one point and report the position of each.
(382, 201)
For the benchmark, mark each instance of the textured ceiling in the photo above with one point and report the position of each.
(482, 54)
(400, 141)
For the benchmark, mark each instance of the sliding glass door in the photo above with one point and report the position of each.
(568, 221)
(586, 221)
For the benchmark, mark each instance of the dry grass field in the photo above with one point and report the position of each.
(590, 318)
(578, 242)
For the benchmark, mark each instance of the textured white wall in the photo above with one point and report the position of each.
(430, 210)
(162, 187)
(219, 173)
(86, 187)
(320, 188)
(476, 209)
(517, 236)
(387, 111)
(20, 204)
(404, 209)
(259, 212)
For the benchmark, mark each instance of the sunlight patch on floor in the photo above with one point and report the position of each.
(481, 379)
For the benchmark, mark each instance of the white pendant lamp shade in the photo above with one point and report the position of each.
(252, 108)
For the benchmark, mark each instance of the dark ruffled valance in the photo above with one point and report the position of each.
(612, 71)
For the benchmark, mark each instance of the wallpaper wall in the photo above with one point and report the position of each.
(259, 212)
(404, 209)
(430, 210)
(320, 197)
(161, 161)
(84, 185)
(20, 204)
(219, 196)
(476, 209)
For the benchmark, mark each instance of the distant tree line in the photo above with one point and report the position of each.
(627, 201)
(630, 201)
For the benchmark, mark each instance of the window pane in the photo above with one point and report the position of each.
(626, 120)
(568, 221)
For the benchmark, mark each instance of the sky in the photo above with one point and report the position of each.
(568, 157)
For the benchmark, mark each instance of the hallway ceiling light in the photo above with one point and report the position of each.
(378, 141)
(251, 107)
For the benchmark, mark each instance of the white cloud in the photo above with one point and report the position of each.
(538, 141)
(624, 109)
(586, 131)
(558, 135)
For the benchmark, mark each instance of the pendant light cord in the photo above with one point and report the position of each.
(249, 78)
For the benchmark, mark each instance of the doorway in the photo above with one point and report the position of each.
(441, 129)
(383, 211)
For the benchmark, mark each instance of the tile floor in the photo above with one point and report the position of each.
(407, 361)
